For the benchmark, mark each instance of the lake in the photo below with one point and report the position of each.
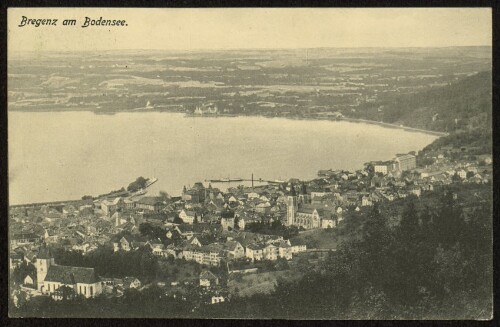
(65, 155)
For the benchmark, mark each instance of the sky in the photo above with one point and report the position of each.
(224, 28)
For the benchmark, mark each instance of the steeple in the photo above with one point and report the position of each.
(44, 260)
(44, 252)
(292, 206)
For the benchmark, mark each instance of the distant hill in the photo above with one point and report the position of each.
(462, 105)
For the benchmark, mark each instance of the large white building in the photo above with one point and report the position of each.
(51, 277)
(306, 215)
(405, 162)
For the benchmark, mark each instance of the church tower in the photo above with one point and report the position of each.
(303, 196)
(291, 207)
(44, 260)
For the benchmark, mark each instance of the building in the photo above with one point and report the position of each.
(205, 109)
(51, 277)
(305, 215)
(22, 239)
(196, 194)
(234, 249)
(297, 245)
(405, 162)
(217, 299)
(227, 220)
(131, 283)
(188, 217)
(292, 207)
(208, 279)
(382, 167)
(270, 252)
(150, 203)
(255, 252)
(111, 206)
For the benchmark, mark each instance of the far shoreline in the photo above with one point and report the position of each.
(311, 118)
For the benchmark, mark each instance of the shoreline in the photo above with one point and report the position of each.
(389, 125)
(315, 118)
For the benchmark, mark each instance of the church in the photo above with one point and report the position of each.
(51, 277)
(301, 213)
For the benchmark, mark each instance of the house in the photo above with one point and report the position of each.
(462, 173)
(212, 254)
(366, 201)
(150, 203)
(186, 231)
(253, 195)
(415, 190)
(157, 248)
(29, 281)
(270, 252)
(255, 251)
(208, 108)
(111, 206)
(285, 250)
(128, 204)
(131, 282)
(125, 244)
(15, 259)
(382, 167)
(234, 249)
(196, 194)
(21, 239)
(188, 217)
(227, 219)
(217, 299)
(241, 223)
(328, 223)
(200, 240)
(297, 245)
(208, 279)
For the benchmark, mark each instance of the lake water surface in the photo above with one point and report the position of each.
(64, 155)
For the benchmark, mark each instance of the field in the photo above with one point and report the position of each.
(259, 283)
(319, 239)
(293, 83)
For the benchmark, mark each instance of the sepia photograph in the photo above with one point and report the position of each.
(250, 163)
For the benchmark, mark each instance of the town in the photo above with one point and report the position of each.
(208, 246)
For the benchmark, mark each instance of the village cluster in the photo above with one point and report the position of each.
(213, 228)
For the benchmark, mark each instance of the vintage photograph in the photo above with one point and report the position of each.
(250, 163)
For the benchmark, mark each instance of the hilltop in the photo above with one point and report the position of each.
(464, 104)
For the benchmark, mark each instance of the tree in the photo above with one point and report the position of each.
(23, 270)
(139, 183)
(66, 292)
(146, 229)
(178, 220)
(281, 264)
(455, 178)
(164, 196)
(449, 223)
(409, 222)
